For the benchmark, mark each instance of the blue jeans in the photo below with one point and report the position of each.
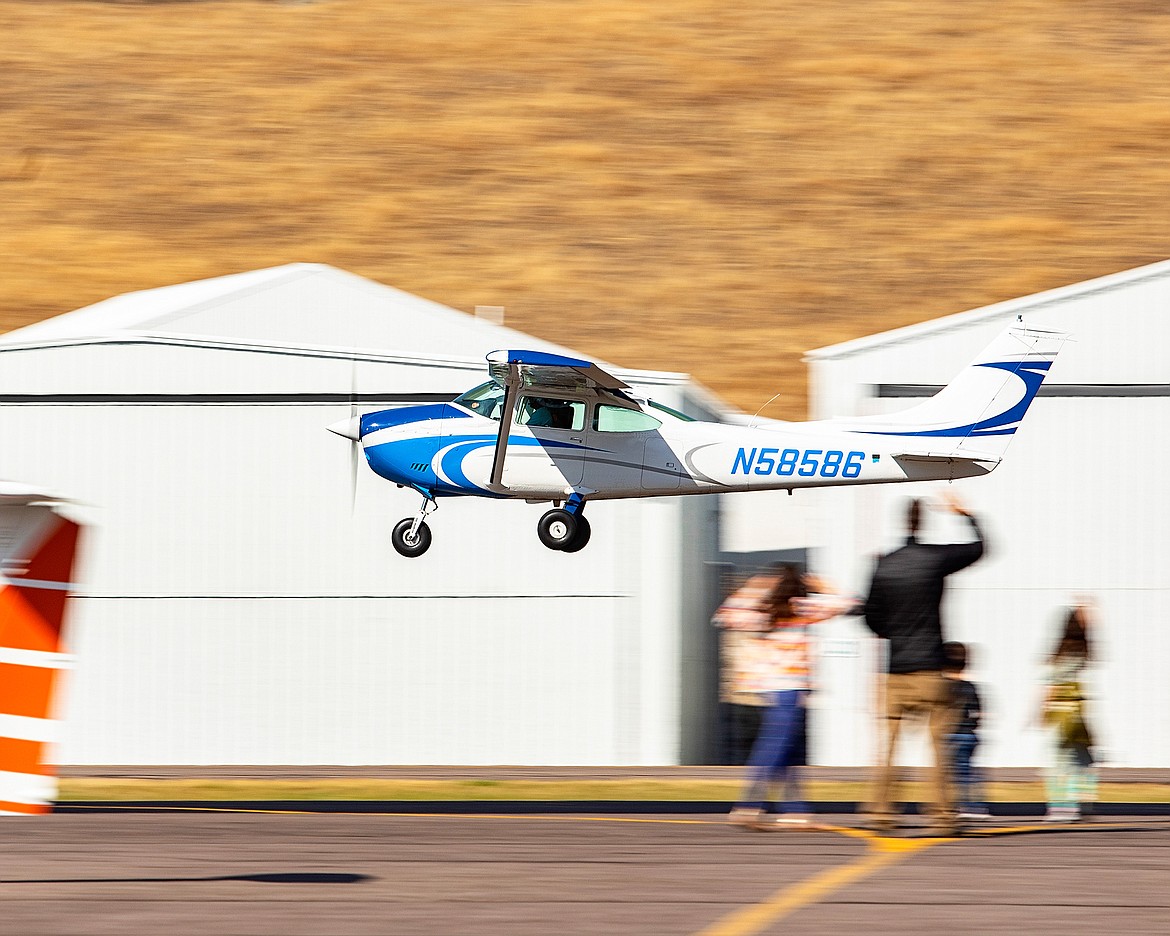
(772, 758)
(968, 783)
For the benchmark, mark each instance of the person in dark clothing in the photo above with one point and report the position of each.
(903, 606)
(964, 737)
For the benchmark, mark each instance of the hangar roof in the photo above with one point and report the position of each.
(303, 310)
(1049, 306)
(295, 305)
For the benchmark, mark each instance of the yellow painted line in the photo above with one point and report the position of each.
(874, 838)
(1061, 827)
(553, 817)
(400, 815)
(214, 809)
(882, 852)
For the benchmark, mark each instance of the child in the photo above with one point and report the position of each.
(964, 736)
(1071, 777)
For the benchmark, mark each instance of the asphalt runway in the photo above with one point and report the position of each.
(336, 874)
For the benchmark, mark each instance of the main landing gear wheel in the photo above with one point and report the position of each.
(581, 537)
(557, 528)
(406, 544)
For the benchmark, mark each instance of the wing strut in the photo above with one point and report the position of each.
(511, 395)
(516, 369)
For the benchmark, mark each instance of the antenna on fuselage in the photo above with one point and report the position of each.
(760, 410)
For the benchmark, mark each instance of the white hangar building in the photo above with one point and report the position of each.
(234, 607)
(1080, 505)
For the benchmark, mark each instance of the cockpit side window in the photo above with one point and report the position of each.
(551, 413)
(485, 400)
(622, 419)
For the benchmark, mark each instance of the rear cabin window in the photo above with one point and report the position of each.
(621, 419)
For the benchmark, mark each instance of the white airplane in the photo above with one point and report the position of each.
(548, 428)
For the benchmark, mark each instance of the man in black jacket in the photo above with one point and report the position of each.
(903, 607)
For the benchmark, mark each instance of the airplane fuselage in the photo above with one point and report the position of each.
(546, 427)
(448, 450)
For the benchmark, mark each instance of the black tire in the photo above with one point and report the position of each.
(556, 529)
(411, 548)
(581, 537)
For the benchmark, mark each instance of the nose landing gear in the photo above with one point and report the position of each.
(412, 537)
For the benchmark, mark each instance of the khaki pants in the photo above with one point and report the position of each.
(924, 694)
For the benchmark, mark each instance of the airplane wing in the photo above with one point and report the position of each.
(515, 370)
(540, 369)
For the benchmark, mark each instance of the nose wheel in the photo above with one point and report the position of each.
(411, 542)
(412, 537)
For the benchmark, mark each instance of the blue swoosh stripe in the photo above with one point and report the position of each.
(452, 463)
(1032, 373)
(390, 455)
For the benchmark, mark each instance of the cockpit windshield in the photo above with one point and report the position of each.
(661, 407)
(486, 399)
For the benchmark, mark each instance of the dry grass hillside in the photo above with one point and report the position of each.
(686, 184)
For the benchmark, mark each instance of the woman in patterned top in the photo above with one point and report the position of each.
(778, 666)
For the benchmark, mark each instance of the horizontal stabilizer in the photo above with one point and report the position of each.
(926, 466)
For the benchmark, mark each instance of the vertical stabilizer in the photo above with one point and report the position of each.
(977, 413)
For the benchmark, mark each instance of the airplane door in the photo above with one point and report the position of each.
(660, 466)
(626, 452)
(546, 445)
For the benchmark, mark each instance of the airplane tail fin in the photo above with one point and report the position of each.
(975, 416)
(37, 548)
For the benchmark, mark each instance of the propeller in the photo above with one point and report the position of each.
(355, 422)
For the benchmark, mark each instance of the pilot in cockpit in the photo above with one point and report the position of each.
(548, 413)
(543, 413)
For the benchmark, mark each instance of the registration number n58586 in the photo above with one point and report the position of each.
(805, 463)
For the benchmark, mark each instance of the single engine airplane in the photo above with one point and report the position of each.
(549, 428)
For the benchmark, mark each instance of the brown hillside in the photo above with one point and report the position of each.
(688, 185)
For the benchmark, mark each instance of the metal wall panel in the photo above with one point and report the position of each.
(1073, 510)
(1077, 507)
(235, 609)
(349, 681)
